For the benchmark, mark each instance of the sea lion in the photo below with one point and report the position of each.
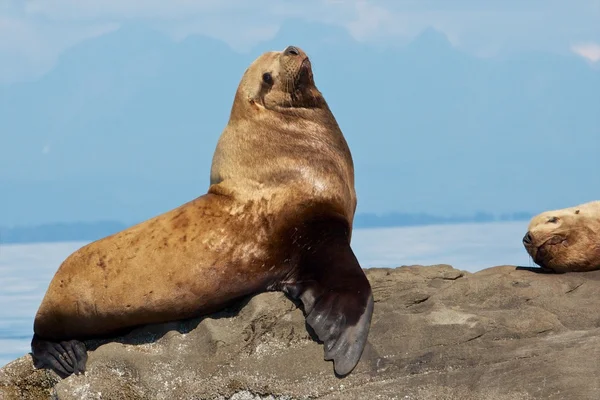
(566, 240)
(277, 216)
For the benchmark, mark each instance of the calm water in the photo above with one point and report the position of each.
(26, 269)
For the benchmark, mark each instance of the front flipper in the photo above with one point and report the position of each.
(335, 293)
(65, 358)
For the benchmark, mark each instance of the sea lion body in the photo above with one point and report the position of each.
(277, 216)
(566, 240)
(172, 266)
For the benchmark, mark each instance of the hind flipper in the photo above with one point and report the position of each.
(336, 295)
(65, 358)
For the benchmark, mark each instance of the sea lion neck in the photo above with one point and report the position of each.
(300, 139)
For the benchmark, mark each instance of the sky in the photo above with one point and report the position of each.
(33, 34)
(110, 109)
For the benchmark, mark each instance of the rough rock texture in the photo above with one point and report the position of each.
(437, 333)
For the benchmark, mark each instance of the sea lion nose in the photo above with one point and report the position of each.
(291, 51)
(528, 239)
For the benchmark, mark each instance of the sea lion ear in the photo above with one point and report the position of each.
(254, 104)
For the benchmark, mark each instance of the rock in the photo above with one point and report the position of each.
(437, 333)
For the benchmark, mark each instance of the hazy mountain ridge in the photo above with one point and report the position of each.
(89, 231)
(125, 126)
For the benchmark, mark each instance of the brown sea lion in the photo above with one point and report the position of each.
(566, 240)
(277, 216)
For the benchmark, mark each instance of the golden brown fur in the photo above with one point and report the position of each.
(278, 214)
(566, 240)
(273, 155)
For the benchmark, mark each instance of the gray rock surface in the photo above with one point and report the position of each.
(437, 333)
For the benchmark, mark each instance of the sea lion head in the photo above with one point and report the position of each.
(277, 81)
(282, 141)
(565, 240)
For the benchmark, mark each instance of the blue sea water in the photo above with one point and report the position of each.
(26, 269)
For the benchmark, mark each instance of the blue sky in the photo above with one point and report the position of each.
(110, 109)
(33, 33)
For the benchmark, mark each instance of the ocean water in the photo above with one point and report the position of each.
(26, 269)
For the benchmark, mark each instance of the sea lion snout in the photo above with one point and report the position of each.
(527, 239)
(291, 51)
(294, 53)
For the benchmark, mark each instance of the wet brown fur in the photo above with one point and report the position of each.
(566, 240)
(281, 159)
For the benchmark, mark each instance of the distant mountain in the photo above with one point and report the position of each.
(125, 126)
(60, 232)
(90, 231)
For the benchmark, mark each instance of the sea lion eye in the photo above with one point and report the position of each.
(267, 78)
(553, 220)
